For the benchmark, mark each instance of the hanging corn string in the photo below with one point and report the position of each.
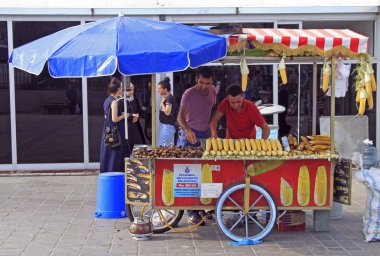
(326, 75)
(365, 84)
(282, 69)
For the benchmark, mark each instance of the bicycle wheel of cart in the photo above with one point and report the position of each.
(259, 221)
(173, 217)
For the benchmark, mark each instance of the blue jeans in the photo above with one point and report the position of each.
(182, 141)
(166, 135)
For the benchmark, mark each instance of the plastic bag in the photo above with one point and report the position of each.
(371, 219)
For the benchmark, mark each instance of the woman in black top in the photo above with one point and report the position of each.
(135, 131)
(167, 114)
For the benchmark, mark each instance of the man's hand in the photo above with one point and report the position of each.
(190, 136)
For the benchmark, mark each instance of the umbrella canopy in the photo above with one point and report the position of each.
(133, 45)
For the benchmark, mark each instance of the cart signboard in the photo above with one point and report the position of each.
(138, 182)
(342, 182)
(292, 183)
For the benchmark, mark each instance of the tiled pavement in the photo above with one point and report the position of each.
(53, 215)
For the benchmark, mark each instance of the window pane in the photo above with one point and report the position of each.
(5, 120)
(48, 111)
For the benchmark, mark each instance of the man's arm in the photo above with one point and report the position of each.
(190, 135)
(214, 123)
(266, 130)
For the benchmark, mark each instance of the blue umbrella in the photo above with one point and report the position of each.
(133, 45)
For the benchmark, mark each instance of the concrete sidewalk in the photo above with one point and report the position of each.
(53, 215)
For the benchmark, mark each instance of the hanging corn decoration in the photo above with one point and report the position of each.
(244, 73)
(282, 69)
(357, 89)
(326, 75)
(370, 71)
(368, 89)
(373, 82)
(362, 101)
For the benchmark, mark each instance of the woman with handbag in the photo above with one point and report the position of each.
(113, 147)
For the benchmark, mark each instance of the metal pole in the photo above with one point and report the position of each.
(299, 103)
(12, 98)
(315, 94)
(153, 102)
(126, 82)
(332, 114)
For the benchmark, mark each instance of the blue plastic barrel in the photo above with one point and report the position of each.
(110, 199)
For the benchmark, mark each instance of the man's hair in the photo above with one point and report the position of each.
(234, 90)
(206, 72)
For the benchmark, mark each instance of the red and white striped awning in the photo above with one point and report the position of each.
(324, 39)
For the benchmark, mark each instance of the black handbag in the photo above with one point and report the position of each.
(112, 137)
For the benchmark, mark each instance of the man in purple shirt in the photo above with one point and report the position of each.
(194, 117)
(195, 109)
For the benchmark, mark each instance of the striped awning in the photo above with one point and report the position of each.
(324, 39)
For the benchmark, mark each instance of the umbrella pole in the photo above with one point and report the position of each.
(332, 114)
(126, 81)
(153, 103)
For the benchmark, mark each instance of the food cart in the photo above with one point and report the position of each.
(248, 181)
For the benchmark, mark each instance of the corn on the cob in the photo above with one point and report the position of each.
(278, 144)
(253, 144)
(244, 82)
(219, 144)
(231, 144)
(319, 137)
(214, 144)
(282, 69)
(263, 145)
(373, 82)
(244, 73)
(242, 144)
(225, 144)
(261, 167)
(357, 100)
(303, 189)
(208, 144)
(247, 145)
(258, 144)
(326, 76)
(370, 101)
(273, 145)
(237, 145)
(167, 187)
(206, 177)
(362, 102)
(320, 188)
(268, 144)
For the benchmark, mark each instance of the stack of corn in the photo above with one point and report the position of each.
(310, 145)
(243, 147)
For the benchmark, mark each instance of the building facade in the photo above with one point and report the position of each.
(39, 131)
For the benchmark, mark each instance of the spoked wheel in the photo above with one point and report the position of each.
(173, 217)
(259, 221)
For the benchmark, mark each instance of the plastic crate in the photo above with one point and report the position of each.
(292, 221)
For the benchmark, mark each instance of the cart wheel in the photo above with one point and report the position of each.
(173, 217)
(259, 221)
